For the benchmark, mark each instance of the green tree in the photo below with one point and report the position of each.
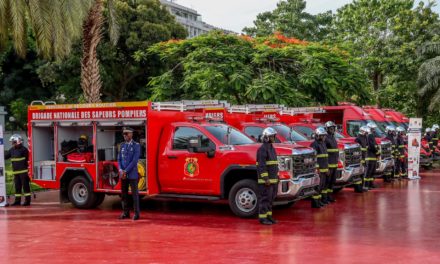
(384, 35)
(264, 70)
(290, 19)
(54, 24)
(429, 75)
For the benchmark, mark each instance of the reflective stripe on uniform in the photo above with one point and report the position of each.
(271, 181)
(332, 150)
(322, 156)
(364, 149)
(401, 146)
(27, 194)
(333, 166)
(264, 174)
(323, 170)
(329, 190)
(18, 159)
(402, 156)
(19, 172)
(17, 195)
(357, 182)
(316, 196)
(269, 213)
(324, 191)
(362, 161)
(272, 162)
(367, 159)
(262, 216)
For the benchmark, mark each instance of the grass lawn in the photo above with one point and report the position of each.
(10, 180)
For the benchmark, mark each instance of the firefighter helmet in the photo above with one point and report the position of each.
(400, 129)
(371, 125)
(364, 130)
(389, 129)
(329, 124)
(435, 127)
(16, 139)
(267, 132)
(320, 131)
(428, 129)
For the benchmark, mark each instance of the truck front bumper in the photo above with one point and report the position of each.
(425, 161)
(297, 189)
(349, 175)
(384, 165)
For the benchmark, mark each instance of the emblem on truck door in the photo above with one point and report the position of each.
(191, 167)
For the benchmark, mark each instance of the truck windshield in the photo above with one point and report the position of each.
(220, 132)
(289, 134)
(353, 127)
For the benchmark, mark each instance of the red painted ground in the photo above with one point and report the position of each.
(399, 223)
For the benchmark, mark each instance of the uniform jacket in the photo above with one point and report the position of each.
(321, 155)
(363, 141)
(394, 145)
(19, 157)
(128, 158)
(401, 145)
(372, 150)
(267, 164)
(332, 150)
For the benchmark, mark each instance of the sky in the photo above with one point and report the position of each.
(237, 14)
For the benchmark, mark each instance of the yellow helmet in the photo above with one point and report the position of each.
(83, 136)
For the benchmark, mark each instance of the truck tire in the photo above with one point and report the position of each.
(81, 193)
(243, 199)
(99, 199)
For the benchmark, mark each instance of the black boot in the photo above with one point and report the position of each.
(358, 188)
(124, 216)
(265, 221)
(270, 218)
(316, 203)
(372, 185)
(330, 198)
(16, 202)
(27, 201)
(135, 217)
(324, 199)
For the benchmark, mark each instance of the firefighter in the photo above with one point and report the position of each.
(128, 158)
(401, 146)
(373, 152)
(322, 165)
(391, 136)
(267, 168)
(333, 158)
(428, 138)
(19, 156)
(362, 140)
(83, 144)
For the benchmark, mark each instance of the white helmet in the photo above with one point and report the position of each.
(371, 125)
(364, 130)
(428, 129)
(389, 129)
(267, 132)
(16, 138)
(435, 127)
(329, 124)
(320, 131)
(400, 129)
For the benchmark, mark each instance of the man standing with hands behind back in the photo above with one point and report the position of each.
(128, 158)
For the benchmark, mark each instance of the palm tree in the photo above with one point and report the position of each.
(54, 24)
(92, 32)
(429, 74)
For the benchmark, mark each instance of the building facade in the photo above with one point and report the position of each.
(190, 19)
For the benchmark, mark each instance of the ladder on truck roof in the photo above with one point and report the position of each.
(187, 105)
(247, 109)
(301, 110)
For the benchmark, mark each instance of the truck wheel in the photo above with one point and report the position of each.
(81, 194)
(99, 199)
(243, 199)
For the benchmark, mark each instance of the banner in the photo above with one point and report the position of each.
(414, 145)
(3, 199)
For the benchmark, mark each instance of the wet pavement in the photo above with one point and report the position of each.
(397, 223)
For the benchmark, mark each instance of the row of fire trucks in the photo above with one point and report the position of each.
(191, 149)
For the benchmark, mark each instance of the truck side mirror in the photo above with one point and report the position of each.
(211, 153)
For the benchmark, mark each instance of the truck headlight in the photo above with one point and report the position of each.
(285, 163)
(342, 156)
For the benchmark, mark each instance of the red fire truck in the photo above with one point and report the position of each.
(184, 155)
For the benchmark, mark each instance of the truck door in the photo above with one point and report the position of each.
(183, 171)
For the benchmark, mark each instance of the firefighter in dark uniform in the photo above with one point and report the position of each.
(373, 152)
(333, 159)
(435, 135)
(19, 156)
(128, 158)
(322, 165)
(401, 147)
(362, 140)
(428, 138)
(391, 136)
(267, 169)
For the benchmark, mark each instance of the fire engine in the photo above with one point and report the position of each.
(184, 154)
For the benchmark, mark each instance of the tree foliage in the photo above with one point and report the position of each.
(429, 75)
(291, 20)
(242, 70)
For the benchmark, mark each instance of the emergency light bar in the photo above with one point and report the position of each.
(301, 110)
(186, 105)
(247, 109)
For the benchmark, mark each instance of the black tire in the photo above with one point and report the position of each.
(99, 199)
(81, 193)
(243, 198)
(337, 189)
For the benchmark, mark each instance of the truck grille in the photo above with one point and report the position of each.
(386, 150)
(353, 156)
(304, 164)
